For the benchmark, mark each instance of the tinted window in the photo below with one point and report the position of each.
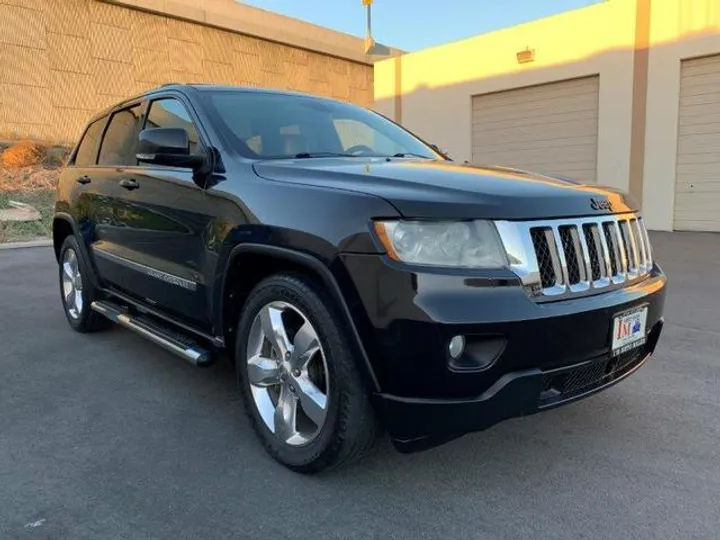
(87, 151)
(166, 113)
(281, 126)
(120, 141)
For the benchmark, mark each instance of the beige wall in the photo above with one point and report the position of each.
(238, 17)
(437, 84)
(680, 30)
(62, 60)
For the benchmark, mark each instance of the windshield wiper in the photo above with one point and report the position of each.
(410, 154)
(308, 155)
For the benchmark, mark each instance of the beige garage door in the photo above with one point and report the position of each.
(697, 182)
(551, 128)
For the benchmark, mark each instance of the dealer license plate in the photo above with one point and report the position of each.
(629, 330)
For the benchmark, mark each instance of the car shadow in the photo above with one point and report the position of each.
(513, 452)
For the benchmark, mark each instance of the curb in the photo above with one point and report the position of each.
(30, 244)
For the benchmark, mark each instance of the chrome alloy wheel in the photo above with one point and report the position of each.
(72, 284)
(288, 373)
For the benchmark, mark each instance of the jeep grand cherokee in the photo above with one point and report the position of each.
(359, 279)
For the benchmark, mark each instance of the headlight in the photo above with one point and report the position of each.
(462, 244)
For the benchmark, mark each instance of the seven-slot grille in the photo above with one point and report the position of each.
(574, 257)
(588, 255)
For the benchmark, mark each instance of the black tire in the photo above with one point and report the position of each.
(350, 427)
(83, 319)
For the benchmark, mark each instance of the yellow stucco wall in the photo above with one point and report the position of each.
(62, 60)
(437, 84)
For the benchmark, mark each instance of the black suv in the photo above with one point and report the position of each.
(358, 278)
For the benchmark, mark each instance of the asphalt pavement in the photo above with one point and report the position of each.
(106, 436)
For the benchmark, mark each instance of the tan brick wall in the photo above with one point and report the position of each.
(63, 60)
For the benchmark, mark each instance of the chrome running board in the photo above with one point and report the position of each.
(168, 338)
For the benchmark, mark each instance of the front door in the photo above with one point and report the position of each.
(163, 216)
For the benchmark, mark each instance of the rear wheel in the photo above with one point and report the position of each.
(298, 377)
(77, 291)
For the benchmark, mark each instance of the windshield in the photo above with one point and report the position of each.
(282, 126)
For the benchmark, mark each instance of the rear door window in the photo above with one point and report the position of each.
(120, 141)
(87, 152)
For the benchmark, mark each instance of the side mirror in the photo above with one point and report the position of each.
(167, 146)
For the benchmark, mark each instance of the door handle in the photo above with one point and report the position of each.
(129, 183)
(84, 180)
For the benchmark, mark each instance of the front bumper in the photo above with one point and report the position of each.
(417, 424)
(554, 353)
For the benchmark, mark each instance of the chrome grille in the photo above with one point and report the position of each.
(574, 257)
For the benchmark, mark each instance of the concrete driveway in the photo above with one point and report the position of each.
(106, 436)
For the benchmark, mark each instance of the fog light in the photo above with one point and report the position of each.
(477, 352)
(456, 347)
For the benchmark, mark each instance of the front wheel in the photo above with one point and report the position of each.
(298, 377)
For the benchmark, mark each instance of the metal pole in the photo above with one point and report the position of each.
(369, 20)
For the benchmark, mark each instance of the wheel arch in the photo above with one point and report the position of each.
(247, 264)
(63, 226)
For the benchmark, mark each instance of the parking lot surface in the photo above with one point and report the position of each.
(106, 436)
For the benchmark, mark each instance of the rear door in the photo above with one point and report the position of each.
(79, 186)
(116, 166)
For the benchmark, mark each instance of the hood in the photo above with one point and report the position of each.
(441, 189)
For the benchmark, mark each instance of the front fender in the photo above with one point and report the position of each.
(317, 268)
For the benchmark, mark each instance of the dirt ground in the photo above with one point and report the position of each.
(34, 185)
(20, 180)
